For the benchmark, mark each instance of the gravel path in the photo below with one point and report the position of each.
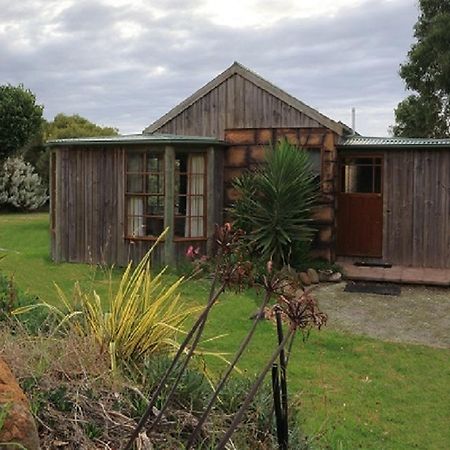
(420, 315)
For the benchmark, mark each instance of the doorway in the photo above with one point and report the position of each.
(360, 206)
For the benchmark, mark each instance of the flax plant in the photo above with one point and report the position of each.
(141, 317)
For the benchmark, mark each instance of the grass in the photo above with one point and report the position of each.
(352, 392)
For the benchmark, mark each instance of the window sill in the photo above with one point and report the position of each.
(187, 239)
(142, 238)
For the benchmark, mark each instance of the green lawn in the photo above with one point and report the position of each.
(353, 391)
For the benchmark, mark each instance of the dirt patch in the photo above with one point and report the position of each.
(419, 315)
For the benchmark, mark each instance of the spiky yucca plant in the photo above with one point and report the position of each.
(275, 201)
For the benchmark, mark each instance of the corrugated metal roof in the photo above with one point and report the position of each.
(392, 142)
(138, 139)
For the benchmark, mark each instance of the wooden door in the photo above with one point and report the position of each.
(360, 206)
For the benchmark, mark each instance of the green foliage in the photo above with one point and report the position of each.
(61, 127)
(75, 126)
(142, 317)
(427, 72)
(11, 297)
(20, 118)
(275, 202)
(352, 391)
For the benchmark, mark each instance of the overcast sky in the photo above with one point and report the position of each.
(124, 63)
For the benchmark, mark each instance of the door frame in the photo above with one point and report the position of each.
(360, 154)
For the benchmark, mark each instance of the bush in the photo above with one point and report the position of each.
(275, 202)
(20, 187)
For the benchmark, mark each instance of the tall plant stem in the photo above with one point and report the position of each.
(213, 296)
(277, 404)
(227, 373)
(238, 416)
(283, 385)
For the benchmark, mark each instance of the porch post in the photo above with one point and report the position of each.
(210, 190)
(169, 202)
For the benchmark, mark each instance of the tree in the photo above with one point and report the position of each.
(62, 127)
(275, 202)
(426, 113)
(20, 118)
(75, 126)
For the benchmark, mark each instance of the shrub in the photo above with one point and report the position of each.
(275, 202)
(20, 187)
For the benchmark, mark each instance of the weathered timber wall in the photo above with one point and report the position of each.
(417, 207)
(246, 149)
(88, 208)
(235, 103)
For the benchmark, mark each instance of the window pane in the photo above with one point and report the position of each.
(135, 183)
(377, 180)
(155, 184)
(314, 157)
(154, 163)
(357, 179)
(135, 222)
(154, 226)
(135, 162)
(155, 205)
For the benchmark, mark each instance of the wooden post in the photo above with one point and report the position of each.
(210, 189)
(169, 203)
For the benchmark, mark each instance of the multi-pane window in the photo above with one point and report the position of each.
(361, 175)
(145, 194)
(190, 195)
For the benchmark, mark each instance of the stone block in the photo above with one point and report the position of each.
(290, 134)
(240, 137)
(264, 136)
(326, 235)
(230, 174)
(257, 153)
(313, 276)
(304, 278)
(323, 214)
(236, 156)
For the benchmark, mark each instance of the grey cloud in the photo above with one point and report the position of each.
(331, 63)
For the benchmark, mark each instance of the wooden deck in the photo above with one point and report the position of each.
(396, 274)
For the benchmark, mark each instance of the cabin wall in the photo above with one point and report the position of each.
(87, 208)
(246, 149)
(416, 207)
(235, 103)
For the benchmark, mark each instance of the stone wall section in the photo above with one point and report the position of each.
(246, 151)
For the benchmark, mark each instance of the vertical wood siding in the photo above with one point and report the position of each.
(88, 209)
(416, 208)
(235, 103)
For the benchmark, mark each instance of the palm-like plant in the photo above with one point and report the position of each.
(275, 202)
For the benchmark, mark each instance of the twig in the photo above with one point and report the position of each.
(230, 368)
(238, 416)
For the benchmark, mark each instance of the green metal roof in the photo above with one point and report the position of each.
(137, 139)
(392, 142)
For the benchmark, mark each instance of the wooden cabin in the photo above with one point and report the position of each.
(382, 199)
